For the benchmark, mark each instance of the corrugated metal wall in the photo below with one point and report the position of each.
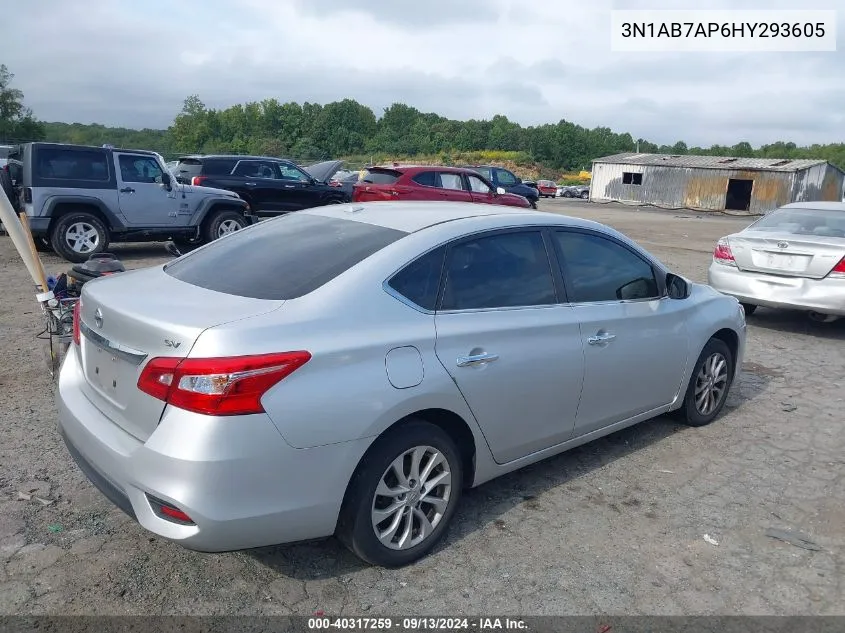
(705, 189)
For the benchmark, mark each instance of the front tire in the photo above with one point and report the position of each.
(76, 236)
(585, 195)
(709, 384)
(402, 496)
(222, 223)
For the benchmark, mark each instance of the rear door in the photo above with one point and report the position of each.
(452, 187)
(510, 343)
(422, 186)
(144, 201)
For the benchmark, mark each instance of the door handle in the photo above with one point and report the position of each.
(249, 184)
(598, 339)
(127, 190)
(290, 186)
(476, 359)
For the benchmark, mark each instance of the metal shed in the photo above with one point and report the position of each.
(714, 183)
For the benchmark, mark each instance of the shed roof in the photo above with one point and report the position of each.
(710, 162)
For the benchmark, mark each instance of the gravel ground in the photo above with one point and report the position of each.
(614, 527)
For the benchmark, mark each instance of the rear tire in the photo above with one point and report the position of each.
(749, 308)
(709, 384)
(222, 223)
(78, 235)
(363, 507)
(585, 195)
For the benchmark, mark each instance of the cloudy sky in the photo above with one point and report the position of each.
(129, 63)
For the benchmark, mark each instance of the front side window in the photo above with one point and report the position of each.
(506, 179)
(599, 269)
(477, 185)
(498, 271)
(139, 169)
(289, 172)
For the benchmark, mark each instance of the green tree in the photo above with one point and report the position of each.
(16, 120)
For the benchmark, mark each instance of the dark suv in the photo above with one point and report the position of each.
(510, 182)
(269, 185)
(79, 199)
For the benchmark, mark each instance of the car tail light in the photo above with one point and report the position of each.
(839, 269)
(218, 386)
(723, 254)
(77, 315)
(197, 181)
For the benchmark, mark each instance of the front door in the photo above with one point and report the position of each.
(480, 190)
(297, 189)
(144, 201)
(508, 341)
(635, 339)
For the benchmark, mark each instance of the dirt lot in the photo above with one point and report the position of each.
(613, 527)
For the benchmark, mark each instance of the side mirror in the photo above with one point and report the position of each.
(500, 191)
(166, 180)
(677, 287)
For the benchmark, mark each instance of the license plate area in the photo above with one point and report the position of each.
(782, 261)
(110, 375)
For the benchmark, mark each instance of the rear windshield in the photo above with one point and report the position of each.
(381, 176)
(284, 258)
(822, 222)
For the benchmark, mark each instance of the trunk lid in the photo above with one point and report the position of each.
(787, 254)
(132, 317)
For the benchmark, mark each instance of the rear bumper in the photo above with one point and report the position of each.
(826, 296)
(237, 478)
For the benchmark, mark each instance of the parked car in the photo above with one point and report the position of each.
(346, 181)
(546, 188)
(510, 182)
(269, 186)
(427, 182)
(79, 199)
(792, 258)
(459, 342)
(576, 191)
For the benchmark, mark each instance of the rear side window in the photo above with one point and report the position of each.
(69, 164)
(381, 176)
(426, 179)
(419, 281)
(217, 166)
(284, 258)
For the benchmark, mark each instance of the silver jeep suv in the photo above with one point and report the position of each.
(79, 199)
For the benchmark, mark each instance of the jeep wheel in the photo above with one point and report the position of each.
(222, 223)
(78, 235)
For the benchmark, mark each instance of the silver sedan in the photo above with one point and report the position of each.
(349, 370)
(793, 258)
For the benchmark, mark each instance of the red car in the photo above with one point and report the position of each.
(547, 188)
(452, 184)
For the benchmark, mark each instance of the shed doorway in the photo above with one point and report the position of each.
(738, 197)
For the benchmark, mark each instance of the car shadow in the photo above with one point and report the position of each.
(794, 322)
(482, 506)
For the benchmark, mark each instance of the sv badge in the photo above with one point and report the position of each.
(173, 344)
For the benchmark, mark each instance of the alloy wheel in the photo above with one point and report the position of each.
(411, 498)
(228, 226)
(711, 383)
(82, 238)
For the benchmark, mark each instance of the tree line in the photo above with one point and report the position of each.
(344, 129)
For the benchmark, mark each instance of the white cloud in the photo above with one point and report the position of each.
(126, 63)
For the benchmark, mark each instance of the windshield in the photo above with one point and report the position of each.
(824, 222)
